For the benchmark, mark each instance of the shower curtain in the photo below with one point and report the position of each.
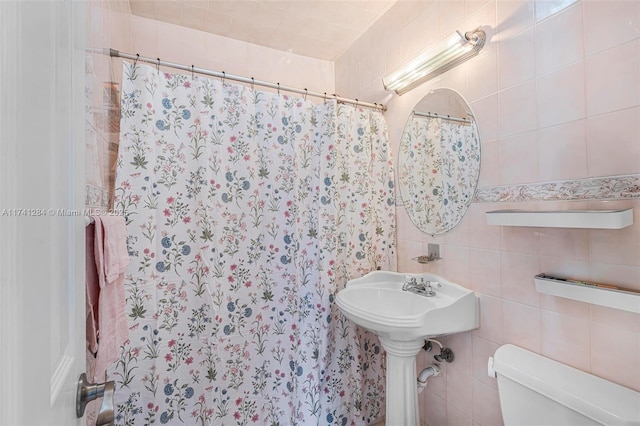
(247, 211)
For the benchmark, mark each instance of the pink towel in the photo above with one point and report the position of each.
(116, 258)
(111, 259)
(92, 291)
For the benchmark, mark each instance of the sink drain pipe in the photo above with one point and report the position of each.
(431, 371)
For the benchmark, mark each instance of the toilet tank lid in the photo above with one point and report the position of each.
(594, 397)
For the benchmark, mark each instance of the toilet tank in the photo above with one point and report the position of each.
(535, 390)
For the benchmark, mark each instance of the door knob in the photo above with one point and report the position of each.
(89, 391)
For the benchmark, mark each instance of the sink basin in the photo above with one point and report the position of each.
(402, 320)
(378, 303)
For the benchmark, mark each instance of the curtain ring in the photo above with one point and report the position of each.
(357, 103)
(253, 83)
(158, 66)
(135, 61)
(305, 93)
(224, 76)
(278, 89)
(192, 72)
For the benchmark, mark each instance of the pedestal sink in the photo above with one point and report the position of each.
(402, 320)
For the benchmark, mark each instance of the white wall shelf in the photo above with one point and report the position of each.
(594, 219)
(609, 296)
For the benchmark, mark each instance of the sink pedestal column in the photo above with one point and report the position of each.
(402, 393)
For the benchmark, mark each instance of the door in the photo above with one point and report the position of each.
(41, 225)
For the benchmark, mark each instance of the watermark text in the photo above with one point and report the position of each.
(59, 212)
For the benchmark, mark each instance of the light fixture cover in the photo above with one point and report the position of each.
(431, 64)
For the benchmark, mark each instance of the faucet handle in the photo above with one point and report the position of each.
(410, 279)
(427, 283)
(428, 289)
(411, 282)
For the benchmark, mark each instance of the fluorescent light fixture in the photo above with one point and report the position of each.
(431, 64)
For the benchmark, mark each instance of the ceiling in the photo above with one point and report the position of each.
(321, 29)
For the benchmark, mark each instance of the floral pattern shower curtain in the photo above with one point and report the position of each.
(247, 211)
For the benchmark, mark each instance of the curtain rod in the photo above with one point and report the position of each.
(252, 81)
(444, 117)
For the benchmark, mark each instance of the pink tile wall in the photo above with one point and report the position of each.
(187, 46)
(556, 92)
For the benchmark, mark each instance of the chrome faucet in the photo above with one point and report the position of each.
(423, 288)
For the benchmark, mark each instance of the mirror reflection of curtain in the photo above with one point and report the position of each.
(458, 145)
(436, 172)
(247, 212)
(420, 167)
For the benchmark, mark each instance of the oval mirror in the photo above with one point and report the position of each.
(439, 161)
